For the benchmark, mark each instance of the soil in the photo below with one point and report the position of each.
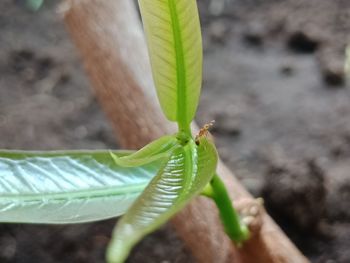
(274, 83)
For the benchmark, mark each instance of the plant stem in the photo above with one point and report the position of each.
(234, 228)
(184, 134)
(185, 128)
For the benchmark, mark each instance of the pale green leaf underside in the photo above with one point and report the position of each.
(174, 41)
(182, 177)
(67, 187)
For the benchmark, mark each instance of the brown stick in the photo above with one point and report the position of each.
(109, 37)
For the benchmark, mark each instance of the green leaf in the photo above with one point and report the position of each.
(153, 151)
(175, 45)
(182, 177)
(67, 187)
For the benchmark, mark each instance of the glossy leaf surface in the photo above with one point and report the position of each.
(175, 45)
(182, 177)
(67, 187)
(153, 151)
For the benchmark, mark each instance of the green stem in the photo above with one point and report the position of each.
(185, 129)
(234, 228)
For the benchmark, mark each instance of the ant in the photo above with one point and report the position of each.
(203, 132)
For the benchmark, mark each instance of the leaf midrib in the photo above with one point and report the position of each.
(76, 195)
(181, 112)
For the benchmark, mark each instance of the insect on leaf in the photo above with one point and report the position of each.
(153, 151)
(175, 45)
(68, 187)
(182, 177)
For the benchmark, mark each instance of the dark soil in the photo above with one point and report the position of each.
(274, 83)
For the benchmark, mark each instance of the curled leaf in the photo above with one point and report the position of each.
(153, 151)
(181, 178)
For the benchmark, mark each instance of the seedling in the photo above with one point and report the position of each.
(148, 186)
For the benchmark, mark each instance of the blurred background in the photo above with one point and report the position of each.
(274, 81)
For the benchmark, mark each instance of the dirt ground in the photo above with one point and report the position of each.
(273, 81)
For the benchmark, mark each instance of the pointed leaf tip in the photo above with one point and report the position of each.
(156, 150)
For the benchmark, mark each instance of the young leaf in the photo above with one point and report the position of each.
(153, 151)
(182, 177)
(175, 46)
(67, 187)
